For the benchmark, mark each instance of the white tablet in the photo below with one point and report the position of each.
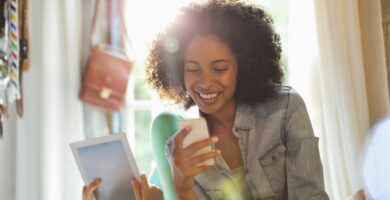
(108, 158)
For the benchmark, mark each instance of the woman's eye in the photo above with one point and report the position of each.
(192, 69)
(220, 69)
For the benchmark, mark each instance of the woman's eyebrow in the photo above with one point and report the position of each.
(219, 60)
(191, 61)
(213, 62)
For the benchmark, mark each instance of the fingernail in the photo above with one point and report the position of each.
(187, 128)
(219, 151)
(214, 139)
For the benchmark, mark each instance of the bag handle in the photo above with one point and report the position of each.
(94, 22)
(108, 23)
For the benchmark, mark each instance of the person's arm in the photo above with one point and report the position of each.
(303, 164)
(142, 191)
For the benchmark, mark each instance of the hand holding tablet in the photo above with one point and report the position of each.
(110, 159)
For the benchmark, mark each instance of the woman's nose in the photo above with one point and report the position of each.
(206, 81)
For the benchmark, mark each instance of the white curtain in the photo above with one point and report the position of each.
(374, 59)
(35, 158)
(337, 65)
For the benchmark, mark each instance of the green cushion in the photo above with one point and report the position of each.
(163, 127)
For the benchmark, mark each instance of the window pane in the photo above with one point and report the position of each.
(141, 90)
(143, 150)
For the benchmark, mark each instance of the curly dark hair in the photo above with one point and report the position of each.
(245, 28)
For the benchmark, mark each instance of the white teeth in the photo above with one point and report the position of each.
(208, 96)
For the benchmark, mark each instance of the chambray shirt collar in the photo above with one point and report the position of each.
(243, 119)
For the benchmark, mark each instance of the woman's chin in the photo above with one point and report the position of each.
(209, 110)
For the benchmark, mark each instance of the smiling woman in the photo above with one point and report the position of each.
(142, 104)
(227, 63)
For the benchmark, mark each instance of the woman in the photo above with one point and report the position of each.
(223, 56)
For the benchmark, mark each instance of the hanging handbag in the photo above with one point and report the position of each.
(107, 73)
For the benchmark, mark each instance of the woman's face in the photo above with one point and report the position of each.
(210, 72)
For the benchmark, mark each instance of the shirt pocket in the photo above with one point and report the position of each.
(274, 166)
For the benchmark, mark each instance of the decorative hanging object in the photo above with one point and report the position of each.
(107, 74)
(14, 37)
(13, 62)
(23, 53)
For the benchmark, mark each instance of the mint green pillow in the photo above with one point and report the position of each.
(163, 127)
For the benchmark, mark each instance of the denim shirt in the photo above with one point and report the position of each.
(279, 150)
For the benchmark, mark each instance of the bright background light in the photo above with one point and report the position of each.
(146, 18)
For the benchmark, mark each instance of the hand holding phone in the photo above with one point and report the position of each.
(198, 132)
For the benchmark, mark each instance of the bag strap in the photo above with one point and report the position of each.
(24, 34)
(2, 16)
(108, 25)
(94, 21)
(23, 52)
(124, 37)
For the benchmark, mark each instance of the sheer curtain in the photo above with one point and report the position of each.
(35, 158)
(374, 59)
(336, 61)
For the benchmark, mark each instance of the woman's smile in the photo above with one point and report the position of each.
(208, 96)
(207, 99)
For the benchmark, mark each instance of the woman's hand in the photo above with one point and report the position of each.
(186, 165)
(143, 191)
(88, 189)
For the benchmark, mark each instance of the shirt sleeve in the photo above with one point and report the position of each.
(169, 148)
(305, 178)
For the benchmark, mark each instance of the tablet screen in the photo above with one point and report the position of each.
(108, 159)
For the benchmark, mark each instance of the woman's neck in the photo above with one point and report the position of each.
(222, 122)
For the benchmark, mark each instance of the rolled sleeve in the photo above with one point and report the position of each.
(169, 147)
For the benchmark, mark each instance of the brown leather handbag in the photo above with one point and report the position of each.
(107, 74)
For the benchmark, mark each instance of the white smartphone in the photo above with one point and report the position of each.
(198, 132)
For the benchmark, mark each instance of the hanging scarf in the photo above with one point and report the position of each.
(13, 89)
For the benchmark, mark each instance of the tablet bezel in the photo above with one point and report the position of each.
(101, 140)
